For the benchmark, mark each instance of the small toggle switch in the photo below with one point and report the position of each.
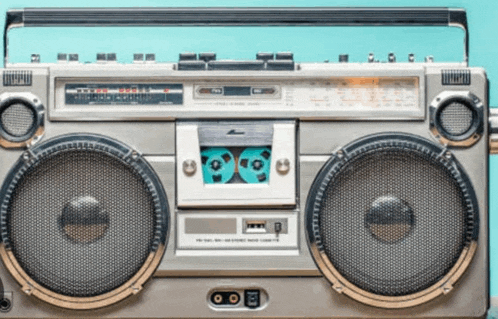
(111, 57)
(138, 57)
(343, 58)
(73, 57)
(61, 57)
(371, 58)
(391, 57)
(101, 57)
(150, 57)
(411, 57)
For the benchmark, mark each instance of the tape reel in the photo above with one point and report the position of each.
(254, 165)
(218, 165)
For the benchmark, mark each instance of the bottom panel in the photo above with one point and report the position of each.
(310, 297)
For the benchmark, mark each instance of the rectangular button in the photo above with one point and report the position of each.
(280, 65)
(236, 65)
(191, 65)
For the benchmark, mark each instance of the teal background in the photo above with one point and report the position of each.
(308, 44)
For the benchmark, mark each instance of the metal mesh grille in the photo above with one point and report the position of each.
(393, 221)
(17, 119)
(81, 222)
(456, 118)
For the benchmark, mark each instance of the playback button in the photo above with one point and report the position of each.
(211, 91)
(263, 91)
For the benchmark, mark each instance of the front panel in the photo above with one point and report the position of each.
(242, 158)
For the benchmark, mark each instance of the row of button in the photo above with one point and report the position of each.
(207, 61)
(282, 61)
(391, 58)
(101, 57)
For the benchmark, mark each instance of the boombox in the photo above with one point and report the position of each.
(261, 188)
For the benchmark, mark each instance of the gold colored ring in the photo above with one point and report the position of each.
(443, 286)
(131, 287)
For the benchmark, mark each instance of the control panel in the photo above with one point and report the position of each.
(123, 93)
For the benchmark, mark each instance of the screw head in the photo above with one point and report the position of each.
(189, 167)
(283, 166)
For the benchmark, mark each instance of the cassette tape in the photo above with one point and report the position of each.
(236, 163)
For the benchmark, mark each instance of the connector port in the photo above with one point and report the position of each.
(225, 298)
(252, 298)
(255, 226)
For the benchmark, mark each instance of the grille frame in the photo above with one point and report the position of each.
(473, 134)
(316, 195)
(36, 131)
(126, 155)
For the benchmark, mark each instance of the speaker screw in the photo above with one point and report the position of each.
(283, 166)
(25, 156)
(338, 289)
(448, 155)
(189, 167)
(134, 155)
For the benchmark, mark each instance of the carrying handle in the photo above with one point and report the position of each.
(295, 16)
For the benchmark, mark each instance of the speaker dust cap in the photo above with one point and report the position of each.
(84, 220)
(392, 220)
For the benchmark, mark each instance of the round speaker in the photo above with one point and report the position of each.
(21, 119)
(392, 220)
(456, 118)
(84, 220)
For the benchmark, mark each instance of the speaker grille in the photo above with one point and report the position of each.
(17, 119)
(82, 218)
(393, 216)
(456, 118)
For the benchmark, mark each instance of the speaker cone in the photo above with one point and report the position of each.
(83, 220)
(392, 220)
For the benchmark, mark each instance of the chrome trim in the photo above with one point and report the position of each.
(493, 134)
(33, 101)
(475, 132)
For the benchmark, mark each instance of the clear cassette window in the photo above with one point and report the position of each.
(236, 165)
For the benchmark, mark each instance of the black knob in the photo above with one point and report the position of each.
(61, 57)
(207, 56)
(138, 57)
(265, 56)
(343, 58)
(285, 56)
(111, 57)
(101, 57)
(188, 56)
(73, 57)
(150, 57)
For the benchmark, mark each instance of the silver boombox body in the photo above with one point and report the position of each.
(274, 188)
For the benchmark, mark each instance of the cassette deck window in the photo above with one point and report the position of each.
(236, 165)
